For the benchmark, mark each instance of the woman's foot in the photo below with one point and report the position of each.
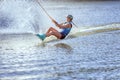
(42, 36)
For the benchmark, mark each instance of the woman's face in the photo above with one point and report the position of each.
(68, 19)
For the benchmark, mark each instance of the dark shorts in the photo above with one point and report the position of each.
(63, 36)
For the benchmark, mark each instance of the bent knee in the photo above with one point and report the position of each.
(51, 28)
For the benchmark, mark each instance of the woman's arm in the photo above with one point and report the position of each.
(61, 25)
(64, 26)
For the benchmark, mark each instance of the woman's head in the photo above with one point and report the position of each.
(69, 18)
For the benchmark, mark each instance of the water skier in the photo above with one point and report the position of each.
(66, 28)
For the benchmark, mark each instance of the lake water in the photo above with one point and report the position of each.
(90, 57)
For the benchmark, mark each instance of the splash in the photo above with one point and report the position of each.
(20, 16)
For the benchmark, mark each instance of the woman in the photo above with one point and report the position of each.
(66, 28)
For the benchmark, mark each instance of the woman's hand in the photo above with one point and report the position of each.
(55, 23)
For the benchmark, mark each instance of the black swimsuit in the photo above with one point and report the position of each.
(63, 36)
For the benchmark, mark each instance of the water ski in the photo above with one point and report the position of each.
(79, 32)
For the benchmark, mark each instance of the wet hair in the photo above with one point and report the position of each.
(70, 16)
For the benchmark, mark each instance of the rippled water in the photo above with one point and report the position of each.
(94, 57)
(89, 56)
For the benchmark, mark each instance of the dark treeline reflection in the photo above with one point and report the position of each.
(80, 0)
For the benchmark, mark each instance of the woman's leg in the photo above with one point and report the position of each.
(54, 32)
(49, 30)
